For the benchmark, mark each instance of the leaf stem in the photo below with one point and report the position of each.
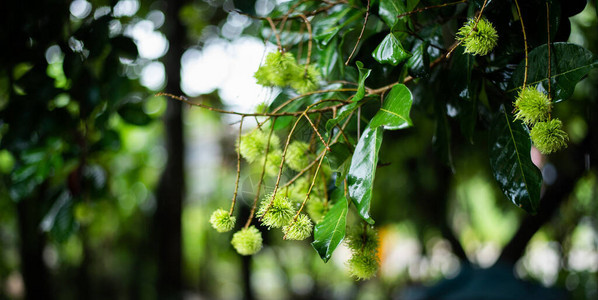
(365, 21)
(524, 43)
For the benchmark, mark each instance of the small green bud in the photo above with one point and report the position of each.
(532, 106)
(480, 39)
(280, 212)
(222, 221)
(300, 229)
(548, 137)
(247, 241)
(253, 144)
(363, 266)
(297, 156)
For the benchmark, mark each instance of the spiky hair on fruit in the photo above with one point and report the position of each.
(363, 243)
(359, 240)
(272, 162)
(306, 81)
(300, 229)
(279, 213)
(548, 136)
(532, 106)
(222, 221)
(297, 156)
(247, 241)
(478, 39)
(363, 266)
(277, 70)
(252, 145)
(281, 69)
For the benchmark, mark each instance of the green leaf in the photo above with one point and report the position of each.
(339, 159)
(364, 73)
(391, 9)
(390, 51)
(363, 170)
(330, 232)
(325, 29)
(569, 64)
(512, 166)
(344, 112)
(132, 112)
(394, 113)
(419, 63)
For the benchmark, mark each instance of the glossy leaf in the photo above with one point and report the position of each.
(343, 113)
(394, 113)
(391, 9)
(569, 64)
(327, 28)
(512, 166)
(419, 63)
(364, 73)
(363, 170)
(390, 51)
(330, 232)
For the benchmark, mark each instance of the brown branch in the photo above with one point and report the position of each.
(365, 21)
(430, 7)
(259, 185)
(232, 206)
(524, 43)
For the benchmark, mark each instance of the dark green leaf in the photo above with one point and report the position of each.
(339, 154)
(133, 113)
(59, 220)
(512, 166)
(344, 112)
(364, 73)
(569, 64)
(394, 113)
(419, 63)
(325, 29)
(363, 170)
(330, 232)
(390, 51)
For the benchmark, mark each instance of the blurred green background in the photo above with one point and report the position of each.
(92, 206)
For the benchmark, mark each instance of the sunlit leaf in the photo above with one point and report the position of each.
(512, 166)
(363, 170)
(394, 113)
(330, 232)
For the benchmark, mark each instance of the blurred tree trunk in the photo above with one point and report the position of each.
(33, 242)
(171, 186)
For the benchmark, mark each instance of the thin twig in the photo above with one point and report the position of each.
(524, 43)
(232, 206)
(365, 21)
(309, 41)
(429, 7)
(273, 114)
(317, 132)
(549, 46)
(259, 185)
(278, 42)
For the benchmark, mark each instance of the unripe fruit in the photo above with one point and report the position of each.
(548, 137)
(247, 241)
(300, 229)
(222, 221)
(478, 39)
(280, 212)
(532, 106)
